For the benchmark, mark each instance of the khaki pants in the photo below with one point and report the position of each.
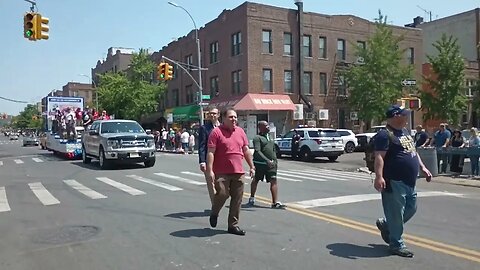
(229, 185)
(210, 188)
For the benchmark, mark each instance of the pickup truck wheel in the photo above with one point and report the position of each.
(102, 160)
(349, 147)
(150, 163)
(333, 158)
(85, 158)
(306, 154)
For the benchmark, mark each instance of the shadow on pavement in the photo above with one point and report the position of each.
(114, 166)
(184, 215)
(352, 251)
(205, 232)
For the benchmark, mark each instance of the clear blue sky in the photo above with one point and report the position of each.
(81, 32)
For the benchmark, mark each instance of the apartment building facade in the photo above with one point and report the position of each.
(118, 59)
(252, 57)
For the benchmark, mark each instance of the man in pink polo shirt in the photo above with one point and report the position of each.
(227, 146)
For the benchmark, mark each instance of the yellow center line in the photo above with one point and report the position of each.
(468, 254)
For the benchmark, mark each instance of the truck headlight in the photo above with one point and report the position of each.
(113, 144)
(150, 143)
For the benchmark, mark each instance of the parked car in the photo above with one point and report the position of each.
(364, 138)
(349, 139)
(118, 140)
(315, 142)
(30, 140)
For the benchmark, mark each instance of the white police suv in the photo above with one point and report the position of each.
(315, 142)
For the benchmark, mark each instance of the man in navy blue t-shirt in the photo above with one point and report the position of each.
(396, 169)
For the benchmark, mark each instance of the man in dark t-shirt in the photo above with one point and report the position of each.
(421, 137)
(396, 169)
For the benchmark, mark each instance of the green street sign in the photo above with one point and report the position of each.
(205, 97)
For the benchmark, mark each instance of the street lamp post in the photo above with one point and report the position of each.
(95, 86)
(200, 85)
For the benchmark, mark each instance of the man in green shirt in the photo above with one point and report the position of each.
(265, 160)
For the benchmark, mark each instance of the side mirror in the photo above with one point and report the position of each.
(93, 132)
(148, 131)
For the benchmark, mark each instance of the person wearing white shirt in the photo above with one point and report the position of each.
(184, 139)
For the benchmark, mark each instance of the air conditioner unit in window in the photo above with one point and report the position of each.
(323, 114)
(309, 115)
(298, 113)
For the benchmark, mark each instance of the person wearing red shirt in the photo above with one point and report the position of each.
(227, 147)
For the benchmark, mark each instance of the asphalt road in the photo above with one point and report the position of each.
(61, 214)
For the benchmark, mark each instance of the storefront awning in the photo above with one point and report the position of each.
(257, 102)
(185, 113)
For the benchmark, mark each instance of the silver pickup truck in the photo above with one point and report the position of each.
(118, 141)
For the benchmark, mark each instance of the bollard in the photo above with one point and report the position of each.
(429, 158)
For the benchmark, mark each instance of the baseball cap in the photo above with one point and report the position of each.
(396, 110)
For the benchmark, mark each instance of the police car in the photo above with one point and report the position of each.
(315, 142)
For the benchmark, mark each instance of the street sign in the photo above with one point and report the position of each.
(409, 82)
(169, 118)
(206, 97)
(203, 103)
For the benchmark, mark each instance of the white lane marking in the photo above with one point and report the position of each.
(313, 174)
(356, 175)
(300, 176)
(360, 198)
(155, 183)
(92, 194)
(123, 187)
(45, 197)
(37, 159)
(288, 179)
(194, 174)
(181, 179)
(1, 163)
(18, 161)
(4, 206)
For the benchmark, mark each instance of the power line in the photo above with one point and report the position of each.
(13, 100)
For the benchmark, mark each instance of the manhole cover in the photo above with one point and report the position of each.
(65, 234)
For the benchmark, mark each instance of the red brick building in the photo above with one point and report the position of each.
(254, 49)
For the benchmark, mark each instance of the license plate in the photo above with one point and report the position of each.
(134, 155)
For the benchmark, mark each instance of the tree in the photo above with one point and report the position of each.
(447, 99)
(376, 82)
(131, 94)
(28, 118)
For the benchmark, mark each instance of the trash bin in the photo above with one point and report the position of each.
(429, 158)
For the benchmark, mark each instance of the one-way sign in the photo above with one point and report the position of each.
(409, 82)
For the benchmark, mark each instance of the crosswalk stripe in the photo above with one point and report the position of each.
(194, 174)
(296, 175)
(4, 206)
(155, 183)
(37, 159)
(1, 163)
(360, 198)
(123, 187)
(288, 179)
(311, 176)
(342, 177)
(18, 161)
(92, 194)
(181, 179)
(357, 175)
(45, 197)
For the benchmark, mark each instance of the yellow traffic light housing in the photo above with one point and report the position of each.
(30, 26)
(169, 72)
(42, 27)
(161, 71)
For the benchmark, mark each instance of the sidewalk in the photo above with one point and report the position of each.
(462, 180)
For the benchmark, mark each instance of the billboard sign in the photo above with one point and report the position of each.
(61, 104)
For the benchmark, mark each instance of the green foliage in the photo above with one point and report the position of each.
(28, 118)
(376, 84)
(447, 99)
(130, 95)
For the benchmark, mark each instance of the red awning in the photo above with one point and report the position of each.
(257, 102)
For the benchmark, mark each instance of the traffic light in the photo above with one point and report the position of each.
(42, 27)
(169, 72)
(30, 25)
(161, 71)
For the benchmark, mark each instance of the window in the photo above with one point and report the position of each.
(342, 86)
(323, 84)
(287, 81)
(322, 47)
(189, 61)
(236, 81)
(214, 52)
(267, 80)
(341, 49)
(307, 45)
(287, 44)
(307, 83)
(411, 56)
(175, 98)
(236, 42)
(188, 94)
(361, 44)
(267, 41)
(213, 86)
(469, 87)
